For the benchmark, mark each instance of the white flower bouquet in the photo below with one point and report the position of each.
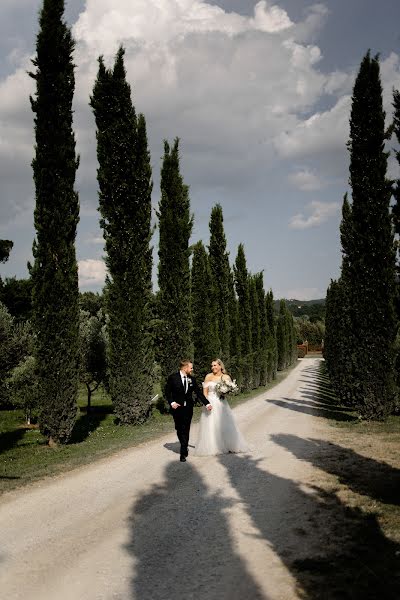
(227, 387)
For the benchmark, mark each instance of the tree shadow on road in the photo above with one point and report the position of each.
(363, 475)
(313, 408)
(333, 551)
(182, 546)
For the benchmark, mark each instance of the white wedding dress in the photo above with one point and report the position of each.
(218, 433)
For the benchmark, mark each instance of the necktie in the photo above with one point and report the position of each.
(185, 384)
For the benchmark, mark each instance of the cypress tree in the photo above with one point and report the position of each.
(234, 333)
(396, 194)
(282, 339)
(220, 269)
(204, 312)
(337, 352)
(175, 227)
(54, 272)
(244, 316)
(264, 331)
(272, 338)
(396, 222)
(255, 331)
(124, 176)
(369, 276)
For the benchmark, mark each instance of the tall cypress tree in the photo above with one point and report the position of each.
(234, 333)
(264, 332)
(396, 194)
(175, 227)
(220, 269)
(282, 337)
(337, 351)
(124, 176)
(396, 221)
(255, 332)
(204, 312)
(244, 316)
(54, 272)
(370, 261)
(272, 338)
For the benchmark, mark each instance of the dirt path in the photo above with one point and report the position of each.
(141, 525)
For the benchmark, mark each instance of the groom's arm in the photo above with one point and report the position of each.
(199, 393)
(169, 392)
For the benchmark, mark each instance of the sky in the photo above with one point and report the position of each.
(259, 94)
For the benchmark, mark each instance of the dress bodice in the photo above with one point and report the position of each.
(212, 392)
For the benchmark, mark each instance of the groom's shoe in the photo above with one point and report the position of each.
(182, 458)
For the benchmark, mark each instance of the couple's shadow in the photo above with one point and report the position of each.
(175, 447)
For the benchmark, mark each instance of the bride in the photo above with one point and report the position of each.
(218, 433)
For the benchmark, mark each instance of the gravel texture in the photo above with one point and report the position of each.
(141, 525)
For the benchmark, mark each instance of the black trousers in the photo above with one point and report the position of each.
(183, 417)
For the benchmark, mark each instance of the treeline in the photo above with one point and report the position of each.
(362, 308)
(129, 337)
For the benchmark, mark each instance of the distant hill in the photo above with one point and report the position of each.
(313, 309)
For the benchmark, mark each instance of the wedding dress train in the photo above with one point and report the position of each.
(218, 433)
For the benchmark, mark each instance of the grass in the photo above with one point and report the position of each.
(365, 457)
(26, 457)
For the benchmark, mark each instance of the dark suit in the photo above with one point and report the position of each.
(175, 392)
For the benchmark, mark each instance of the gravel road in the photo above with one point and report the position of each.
(141, 525)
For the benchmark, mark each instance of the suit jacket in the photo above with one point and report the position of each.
(175, 392)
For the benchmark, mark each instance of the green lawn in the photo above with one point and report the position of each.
(25, 456)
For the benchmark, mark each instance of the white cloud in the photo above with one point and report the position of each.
(305, 180)
(91, 272)
(322, 132)
(320, 213)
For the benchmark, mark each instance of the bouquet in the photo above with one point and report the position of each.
(227, 387)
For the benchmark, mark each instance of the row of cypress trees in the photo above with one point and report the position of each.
(233, 317)
(202, 310)
(361, 320)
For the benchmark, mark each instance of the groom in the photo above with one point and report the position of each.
(179, 393)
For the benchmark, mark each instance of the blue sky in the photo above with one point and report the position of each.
(258, 92)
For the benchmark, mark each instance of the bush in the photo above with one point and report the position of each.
(23, 387)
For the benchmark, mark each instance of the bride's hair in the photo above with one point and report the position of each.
(221, 364)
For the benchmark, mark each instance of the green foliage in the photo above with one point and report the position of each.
(282, 337)
(204, 312)
(310, 310)
(91, 302)
(23, 387)
(263, 340)
(361, 321)
(54, 272)
(16, 294)
(92, 352)
(16, 343)
(368, 270)
(255, 331)
(244, 319)
(312, 332)
(272, 336)
(234, 333)
(124, 177)
(175, 227)
(221, 274)
(5, 249)
(286, 338)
